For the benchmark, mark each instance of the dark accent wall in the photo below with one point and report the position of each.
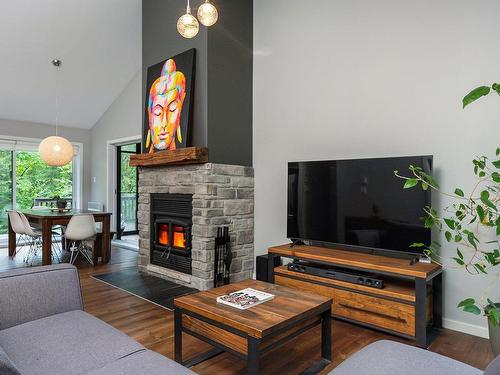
(230, 67)
(222, 110)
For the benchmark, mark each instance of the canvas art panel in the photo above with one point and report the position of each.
(169, 93)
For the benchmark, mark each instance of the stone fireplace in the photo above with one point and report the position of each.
(181, 207)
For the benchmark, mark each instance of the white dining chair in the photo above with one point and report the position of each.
(81, 231)
(34, 238)
(57, 236)
(96, 207)
(18, 227)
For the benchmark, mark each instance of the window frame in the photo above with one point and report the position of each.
(14, 144)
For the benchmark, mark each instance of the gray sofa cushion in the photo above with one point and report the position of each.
(6, 365)
(32, 293)
(143, 363)
(70, 343)
(494, 367)
(388, 357)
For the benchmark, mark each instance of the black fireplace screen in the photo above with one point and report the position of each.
(171, 222)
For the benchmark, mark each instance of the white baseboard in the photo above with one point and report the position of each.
(471, 329)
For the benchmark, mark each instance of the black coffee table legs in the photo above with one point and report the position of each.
(254, 347)
(253, 356)
(326, 345)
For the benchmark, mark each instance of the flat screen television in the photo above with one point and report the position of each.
(357, 204)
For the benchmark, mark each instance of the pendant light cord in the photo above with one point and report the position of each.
(57, 99)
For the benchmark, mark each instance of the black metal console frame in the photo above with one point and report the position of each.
(424, 333)
(254, 352)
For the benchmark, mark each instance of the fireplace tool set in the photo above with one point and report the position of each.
(223, 257)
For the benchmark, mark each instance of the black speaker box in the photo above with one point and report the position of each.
(261, 271)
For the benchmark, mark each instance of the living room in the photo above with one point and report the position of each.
(338, 158)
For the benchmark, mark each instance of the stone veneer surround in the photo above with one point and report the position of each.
(223, 195)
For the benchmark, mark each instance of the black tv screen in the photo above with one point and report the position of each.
(358, 204)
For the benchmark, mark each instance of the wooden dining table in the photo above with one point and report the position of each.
(46, 219)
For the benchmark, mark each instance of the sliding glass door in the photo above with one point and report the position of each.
(126, 192)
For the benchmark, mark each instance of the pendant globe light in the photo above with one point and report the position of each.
(207, 14)
(54, 150)
(187, 25)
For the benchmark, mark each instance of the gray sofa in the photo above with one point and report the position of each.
(391, 358)
(44, 330)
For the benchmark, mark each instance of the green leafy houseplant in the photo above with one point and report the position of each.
(467, 218)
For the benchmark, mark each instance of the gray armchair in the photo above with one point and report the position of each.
(44, 330)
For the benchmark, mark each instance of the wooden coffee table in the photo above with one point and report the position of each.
(250, 333)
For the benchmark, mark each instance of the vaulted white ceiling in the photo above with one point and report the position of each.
(99, 42)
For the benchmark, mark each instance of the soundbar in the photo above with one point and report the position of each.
(349, 276)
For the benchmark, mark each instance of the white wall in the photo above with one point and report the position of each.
(348, 79)
(23, 129)
(122, 119)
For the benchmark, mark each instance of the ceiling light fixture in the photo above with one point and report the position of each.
(187, 25)
(54, 150)
(207, 14)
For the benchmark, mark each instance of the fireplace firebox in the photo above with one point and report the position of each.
(171, 222)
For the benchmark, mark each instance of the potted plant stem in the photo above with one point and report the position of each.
(471, 224)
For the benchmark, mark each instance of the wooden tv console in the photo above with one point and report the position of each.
(409, 304)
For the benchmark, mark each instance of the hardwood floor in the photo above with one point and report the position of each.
(152, 326)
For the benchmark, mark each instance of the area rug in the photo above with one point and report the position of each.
(153, 289)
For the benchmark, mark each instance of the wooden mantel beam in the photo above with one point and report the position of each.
(180, 156)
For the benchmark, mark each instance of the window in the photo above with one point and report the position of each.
(24, 177)
(6, 195)
(35, 179)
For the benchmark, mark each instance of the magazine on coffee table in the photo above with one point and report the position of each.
(245, 298)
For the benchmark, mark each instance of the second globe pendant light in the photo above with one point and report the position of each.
(207, 14)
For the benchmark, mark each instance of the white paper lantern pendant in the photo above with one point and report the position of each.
(54, 150)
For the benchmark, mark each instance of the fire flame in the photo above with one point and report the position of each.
(179, 240)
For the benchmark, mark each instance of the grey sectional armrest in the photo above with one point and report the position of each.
(28, 294)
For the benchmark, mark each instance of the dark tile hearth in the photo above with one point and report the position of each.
(154, 289)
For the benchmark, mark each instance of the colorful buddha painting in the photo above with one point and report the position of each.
(167, 97)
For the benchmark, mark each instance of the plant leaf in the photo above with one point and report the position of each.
(475, 94)
(410, 183)
(466, 302)
(459, 192)
(450, 223)
(496, 87)
(485, 198)
(480, 212)
(417, 244)
(480, 268)
(459, 261)
(472, 309)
